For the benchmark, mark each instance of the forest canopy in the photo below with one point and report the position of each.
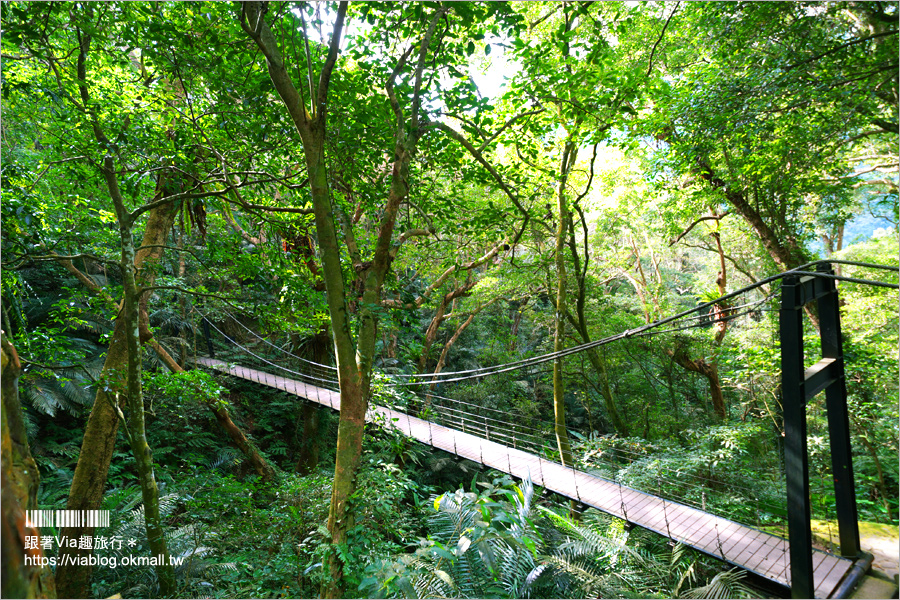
(456, 210)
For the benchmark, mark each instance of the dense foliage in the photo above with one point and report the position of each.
(355, 194)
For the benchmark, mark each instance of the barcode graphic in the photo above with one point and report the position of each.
(67, 518)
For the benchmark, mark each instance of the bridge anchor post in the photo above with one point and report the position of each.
(799, 385)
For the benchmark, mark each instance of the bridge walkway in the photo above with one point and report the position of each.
(750, 549)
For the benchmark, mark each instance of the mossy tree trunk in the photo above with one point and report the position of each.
(579, 321)
(121, 371)
(354, 354)
(563, 444)
(98, 444)
(19, 487)
(134, 396)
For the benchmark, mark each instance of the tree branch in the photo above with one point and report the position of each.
(478, 156)
(423, 54)
(389, 86)
(175, 288)
(260, 33)
(839, 48)
(697, 222)
(508, 123)
(418, 302)
(330, 60)
(659, 39)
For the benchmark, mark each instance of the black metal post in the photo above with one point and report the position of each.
(796, 462)
(838, 420)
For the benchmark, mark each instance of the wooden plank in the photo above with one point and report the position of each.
(826, 585)
(743, 546)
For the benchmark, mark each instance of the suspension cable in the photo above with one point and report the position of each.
(256, 335)
(450, 376)
(333, 382)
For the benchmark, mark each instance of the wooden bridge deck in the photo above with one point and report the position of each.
(762, 553)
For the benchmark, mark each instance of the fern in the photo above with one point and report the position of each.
(727, 584)
(225, 459)
(184, 542)
(589, 562)
(169, 320)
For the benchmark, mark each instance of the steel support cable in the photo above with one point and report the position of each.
(681, 497)
(504, 433)
(256, 335)
(480, 419)
(505, 428)
(474, 419)
(481, 407)
(444, 377)
(302, 376)
(291, 357)
(487, 408)
(268, 362)
(632, 332)
(632, 461)
(530, 442)
(508, 424)
(699, 483)
(280, 349)
(772, 508)
(849, 279)
(701, 325)
(533, 420)
(852, 263)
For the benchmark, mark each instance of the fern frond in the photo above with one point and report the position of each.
(225, 459)
(41, 397)
(727, 584)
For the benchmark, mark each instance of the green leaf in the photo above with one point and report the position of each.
(463, 545)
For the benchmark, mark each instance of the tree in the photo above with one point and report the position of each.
(417, 29)
(570, 69)
(774, 79)
(21, 479)
(90, 88)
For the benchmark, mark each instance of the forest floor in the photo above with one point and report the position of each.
(883, 542)
(880, 540)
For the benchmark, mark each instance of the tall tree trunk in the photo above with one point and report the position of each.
(609, 399)
(89, 480)
(309, 446)
(559, 391)
(309, 412)
(354, 361)
(134, 397)
(19, 487)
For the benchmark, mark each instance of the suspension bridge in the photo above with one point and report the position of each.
(499, 444)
